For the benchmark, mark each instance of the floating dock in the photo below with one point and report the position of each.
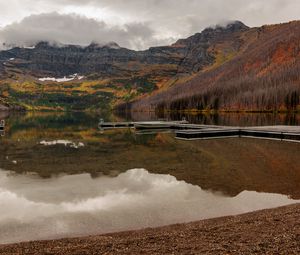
(112, 125)
(207, 133)
(148, 125)
(143, 125)
(284, 133)
(2, 124)
(186, 131)
(151, 125)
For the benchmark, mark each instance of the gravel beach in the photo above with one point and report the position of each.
(273, 231)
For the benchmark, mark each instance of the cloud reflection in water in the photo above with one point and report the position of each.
(71, 205)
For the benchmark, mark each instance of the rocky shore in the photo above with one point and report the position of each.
(274, 231)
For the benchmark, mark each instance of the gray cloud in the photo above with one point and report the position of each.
(74, 29)
(148, 22)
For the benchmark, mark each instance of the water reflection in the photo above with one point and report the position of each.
(34, 208)
(82, 120)
(225, 119)
(51, 144)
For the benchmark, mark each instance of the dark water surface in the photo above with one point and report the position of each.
(62, 176)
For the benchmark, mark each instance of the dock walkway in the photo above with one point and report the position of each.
(144, 125)
(186, 131)
(285, 133)
(111, 125)
(2, 124)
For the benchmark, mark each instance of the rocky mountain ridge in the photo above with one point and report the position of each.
(188, 55)
(230, 67)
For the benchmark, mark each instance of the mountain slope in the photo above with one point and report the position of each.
(111, 74)
(263, 75)
(223, 68)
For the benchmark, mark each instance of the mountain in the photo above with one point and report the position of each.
(223, 67)
(255, 69)
(184, 56)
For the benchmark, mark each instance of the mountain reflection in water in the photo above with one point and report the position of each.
(68, 178)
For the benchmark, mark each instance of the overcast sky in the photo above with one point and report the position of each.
(135, 24)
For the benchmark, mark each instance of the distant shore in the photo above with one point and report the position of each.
(191, 111)
(273, 231)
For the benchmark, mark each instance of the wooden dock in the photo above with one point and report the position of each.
(2, 124)
(207, 133)
(284, 133)
(151, 125)
(186, 131)
(112, 125)
(144, 125)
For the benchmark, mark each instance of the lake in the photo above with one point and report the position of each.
(61, 176)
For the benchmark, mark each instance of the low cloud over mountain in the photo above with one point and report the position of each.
(75, 29)
(134, 24)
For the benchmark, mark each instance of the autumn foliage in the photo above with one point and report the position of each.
(263, 75)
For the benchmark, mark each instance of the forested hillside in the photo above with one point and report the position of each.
(263, 76)
(229, 68)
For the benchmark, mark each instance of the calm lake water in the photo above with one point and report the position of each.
(61, 176)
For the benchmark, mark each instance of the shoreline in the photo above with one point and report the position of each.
(267, 231)
(187, 111)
